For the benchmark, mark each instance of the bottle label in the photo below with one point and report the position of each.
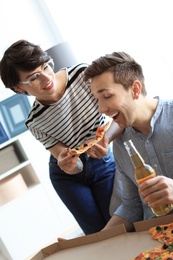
(146, 178)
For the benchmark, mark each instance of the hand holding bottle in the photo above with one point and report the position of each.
(147, 178)
(157, 191)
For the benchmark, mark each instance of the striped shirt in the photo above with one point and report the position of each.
(71, 120)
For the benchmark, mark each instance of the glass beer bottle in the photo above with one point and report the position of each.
(144, 172)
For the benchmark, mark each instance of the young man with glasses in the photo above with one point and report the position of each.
(64, 115)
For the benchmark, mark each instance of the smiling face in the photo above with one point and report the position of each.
(46, 87)
(114, 100)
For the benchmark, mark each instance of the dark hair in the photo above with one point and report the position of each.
(125, 69)
(20, 56)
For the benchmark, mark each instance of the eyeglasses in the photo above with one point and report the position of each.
(35, 79)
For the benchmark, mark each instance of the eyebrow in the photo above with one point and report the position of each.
(101, 90)
(35, 72)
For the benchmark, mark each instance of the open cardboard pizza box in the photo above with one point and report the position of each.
(114, 243)
(145, 225)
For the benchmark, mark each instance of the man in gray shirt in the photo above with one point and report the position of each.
(117, 82)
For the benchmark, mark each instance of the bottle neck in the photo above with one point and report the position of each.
(137, 160)
(135, 157)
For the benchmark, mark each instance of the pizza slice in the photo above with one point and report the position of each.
(82, 148)
(163, 233)
(162, 252)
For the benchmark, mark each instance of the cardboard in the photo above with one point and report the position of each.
(75, 242)
(122, 247)
(114, 243)
(146, 224)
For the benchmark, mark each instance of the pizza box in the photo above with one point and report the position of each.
(146, 224)
(113, 243)
(79, 241)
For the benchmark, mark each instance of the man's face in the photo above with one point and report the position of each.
(113, 99)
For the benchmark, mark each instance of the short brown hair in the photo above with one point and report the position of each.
(21, 55)
(125, 69)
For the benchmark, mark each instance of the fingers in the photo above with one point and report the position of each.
(157, 191)
(104, 141)
(66, 161)
(60, 239)
(91, 152)
(97, 151)
(66, 155)
(63, 153)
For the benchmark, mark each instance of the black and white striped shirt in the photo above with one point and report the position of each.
(71, 120)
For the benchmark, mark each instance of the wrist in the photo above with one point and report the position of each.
(78, 168)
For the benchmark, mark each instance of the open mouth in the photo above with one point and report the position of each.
(115, 116)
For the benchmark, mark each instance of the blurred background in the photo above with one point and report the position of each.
(93, 28)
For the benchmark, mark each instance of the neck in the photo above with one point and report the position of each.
(142, 123)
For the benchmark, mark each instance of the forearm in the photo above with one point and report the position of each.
(117, 220)
(113, 132)
(57, 149)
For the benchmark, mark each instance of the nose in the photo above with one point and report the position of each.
(46, 76)
(102, 107)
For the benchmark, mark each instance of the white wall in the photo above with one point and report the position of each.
(25, 19)
(143, 28)
(93, 28)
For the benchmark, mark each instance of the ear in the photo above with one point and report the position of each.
(18, 89)
(136, 89)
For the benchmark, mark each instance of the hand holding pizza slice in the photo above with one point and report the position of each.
(88, 144)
